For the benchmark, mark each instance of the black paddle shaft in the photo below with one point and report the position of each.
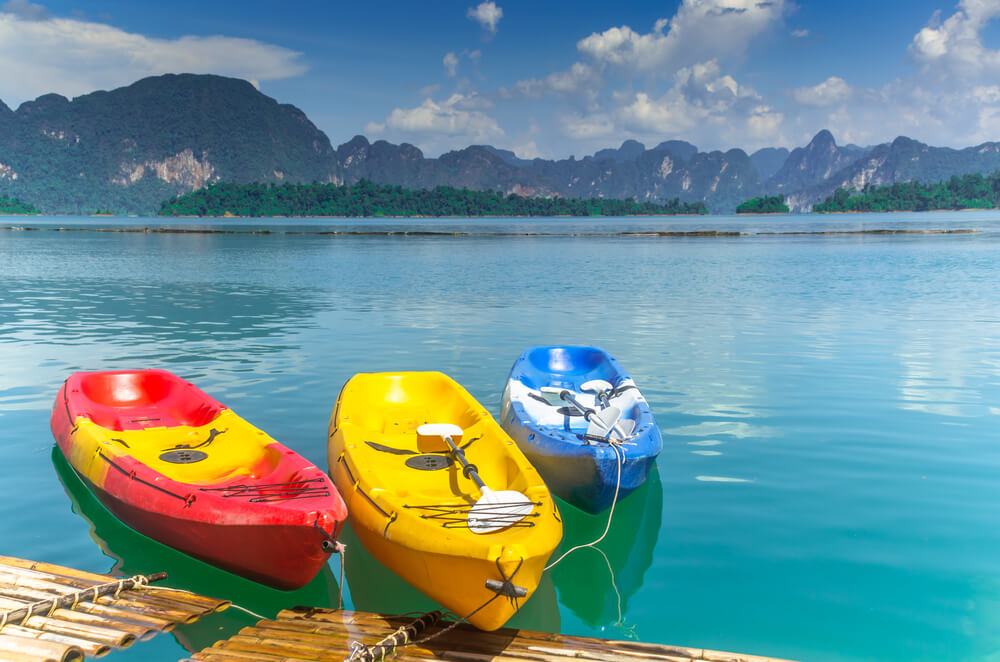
(568, 397)
(468, 469)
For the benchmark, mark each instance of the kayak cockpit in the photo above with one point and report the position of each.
(136, 400)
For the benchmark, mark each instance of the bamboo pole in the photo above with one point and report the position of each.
(76, 580)
(123, 603)
(82, 579)
(16, 615)
(91, 648)
(38, 649)
(300, 623)
(16, 587)
(140, 631)
(103, 635)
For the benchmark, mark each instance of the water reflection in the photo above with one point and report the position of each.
(97, 324)
(134, 553)
(375, 588)
(595, 586)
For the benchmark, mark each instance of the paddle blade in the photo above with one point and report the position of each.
(625, 427)
(602, 422)
(596, 386)
(498, 510)
(552, 394)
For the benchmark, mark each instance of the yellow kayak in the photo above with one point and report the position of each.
(415, 502)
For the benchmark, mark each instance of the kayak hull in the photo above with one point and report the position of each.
(414, 521)
(580, 470)
(222, 491)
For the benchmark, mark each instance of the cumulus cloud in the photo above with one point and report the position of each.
(41, 54)
(457, 116)
(832, 91)
(955, 45)
(700, 30)
(450, 63)
(580, 80)
(703, 102)
(25, 10)
(487, 14)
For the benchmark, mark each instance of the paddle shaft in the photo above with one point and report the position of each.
(586, 411)
(470, 470)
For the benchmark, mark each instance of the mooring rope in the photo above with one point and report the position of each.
(362, 653)
(620, 453)
(181, 590)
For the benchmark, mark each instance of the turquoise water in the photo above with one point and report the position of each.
(829, 406)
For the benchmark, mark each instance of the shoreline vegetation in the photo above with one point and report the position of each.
(368, 200)
(773, 204)
(973, 191)
(444, 233)
(14, 206)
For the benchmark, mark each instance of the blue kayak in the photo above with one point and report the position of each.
(575, 413)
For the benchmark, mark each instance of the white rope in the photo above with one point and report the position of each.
(614, 584)
(618, 483)
(150, 587)
(340, 586)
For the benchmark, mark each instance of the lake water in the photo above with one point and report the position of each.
(830, 406)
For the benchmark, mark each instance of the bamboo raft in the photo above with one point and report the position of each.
(49, 612)
(329, 635)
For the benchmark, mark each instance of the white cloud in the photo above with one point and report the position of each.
(450, 63)
(800, 34)
(586, 127)
(41, 54)
(453, 117)
(702, 29)
(27, 11)
(955, 46)
(704, 105)
(487, 14)
(832, 91)
(580, 79)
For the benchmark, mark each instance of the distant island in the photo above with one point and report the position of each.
(366, 199)
(769, 204)
(967, 192)
(15, 206)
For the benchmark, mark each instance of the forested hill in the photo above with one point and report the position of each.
(968, 192)
(129, 149)
(368, 199)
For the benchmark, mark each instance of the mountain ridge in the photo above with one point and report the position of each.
(130, 148)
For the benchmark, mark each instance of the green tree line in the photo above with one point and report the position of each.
(368, 199)
(769, 204)
(967, 192)
(16, 206)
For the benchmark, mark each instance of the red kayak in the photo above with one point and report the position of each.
(181, 468)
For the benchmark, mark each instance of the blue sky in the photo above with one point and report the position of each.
(549, 79)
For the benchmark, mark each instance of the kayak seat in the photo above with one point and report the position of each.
(135, 400)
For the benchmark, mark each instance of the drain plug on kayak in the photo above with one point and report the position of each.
(429, 462)
(183, 456)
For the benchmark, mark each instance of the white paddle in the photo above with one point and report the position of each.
(623, 426)
(494, 510)
(600, 423)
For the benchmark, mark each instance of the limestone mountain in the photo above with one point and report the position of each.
(902, 160)
(130, 148)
